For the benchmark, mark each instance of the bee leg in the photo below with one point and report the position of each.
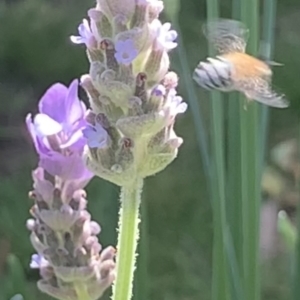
(246, 103)
(247, 100)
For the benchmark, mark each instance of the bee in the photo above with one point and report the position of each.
(234, 70)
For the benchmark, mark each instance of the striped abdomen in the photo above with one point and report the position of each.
(215, 73)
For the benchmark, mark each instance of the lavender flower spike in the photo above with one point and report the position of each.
(124, 85)
(69, 256)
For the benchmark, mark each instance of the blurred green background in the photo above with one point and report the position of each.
(175, 259)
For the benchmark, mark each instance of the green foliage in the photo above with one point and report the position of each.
(14, 281)
(35, 52)
(14, 213)
(35, 44)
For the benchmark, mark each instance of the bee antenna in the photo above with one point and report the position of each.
(268, 61)
(274, 63)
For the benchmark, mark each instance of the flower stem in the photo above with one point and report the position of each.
(127, 240)
(81, 291)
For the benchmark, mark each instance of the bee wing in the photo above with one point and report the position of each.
(263, 93)
(226, 35)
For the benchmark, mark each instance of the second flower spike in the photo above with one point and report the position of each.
(131, 91)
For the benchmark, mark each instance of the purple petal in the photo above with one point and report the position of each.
(73, 105)
(71, 186)
(160, 90)
(172, 35)
(52, 102)
(128, 44)
(181, 108)
(77, 39)
(86, 35)
(96, 136)
(84, 29)
(166, 26)
(44, 187)
(41, 144)
(66, 167)
(31, 129)
(75, 137)
(119, 46)
(170, 45)
(164, 36)
(45, 126)
(125, 51)
(38, 261)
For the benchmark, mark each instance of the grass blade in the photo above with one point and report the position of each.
(296, 257)
(172, 10)
(220, 284)
(266, 50)
(215, 173)
(233, 191)
(236, 282)
(250, 169)
(234, 183)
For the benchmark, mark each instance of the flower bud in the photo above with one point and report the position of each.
(102, 23)
(157, 66)
(155, 8)
(118, 92)
(162, 149)
(119, 24)
(139, 36)
(137, 126)
(113, 8)
(109, 54)
(140, 17)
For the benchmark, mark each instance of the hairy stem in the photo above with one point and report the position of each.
(127, 240)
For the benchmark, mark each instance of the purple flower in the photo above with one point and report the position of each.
(164, 36)
(57, 132)
(96, 136)
(125, 51)
(38, 261)
(159, 90)
(174, 104)
(86, 35)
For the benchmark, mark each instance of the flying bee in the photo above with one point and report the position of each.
(234, 70)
